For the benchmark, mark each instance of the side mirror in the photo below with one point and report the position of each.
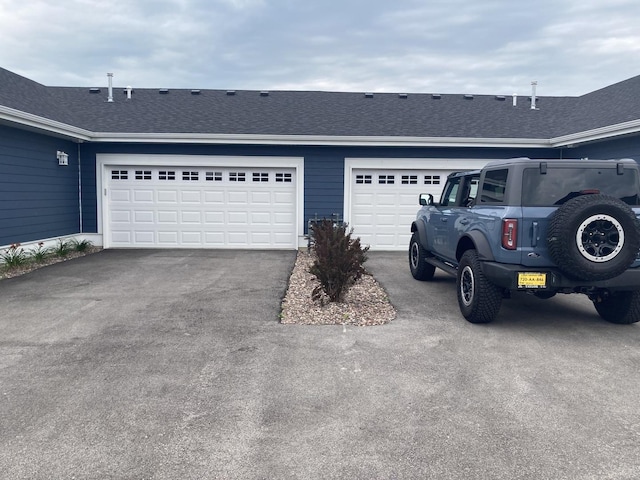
(426, 199)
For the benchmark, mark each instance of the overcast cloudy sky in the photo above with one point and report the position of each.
(570, 47)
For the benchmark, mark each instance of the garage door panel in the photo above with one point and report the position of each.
(284, 219)
(168, 238)
(260, 218)
(167, 217)
(214, 197)
(191, 238)
(191, 217)
(144, 238)
(202, 207)
(167, 196)
(120, 237)
(214, 218)
(236, 197)
(187, 197)
(384, 203)
(143, 216)
(241, 218)
(145, 196)
(121, 216)
(118, 195)
(261, 198)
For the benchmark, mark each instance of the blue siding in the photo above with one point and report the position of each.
(324, 185)
(38, 198)
(625, 147)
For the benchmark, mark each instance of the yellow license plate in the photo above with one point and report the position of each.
(532, 280)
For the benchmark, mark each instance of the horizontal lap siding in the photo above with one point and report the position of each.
(38, 198)
(628, 147)
(324, 186)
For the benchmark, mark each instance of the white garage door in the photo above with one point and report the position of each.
(201, 207)
(385, 202)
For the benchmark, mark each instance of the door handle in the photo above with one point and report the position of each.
(443, 219)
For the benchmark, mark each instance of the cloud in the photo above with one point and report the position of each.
(454, 46)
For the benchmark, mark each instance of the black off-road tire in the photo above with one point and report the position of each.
(478, 298)
(420, 269)
(620, 307)
(593, 237)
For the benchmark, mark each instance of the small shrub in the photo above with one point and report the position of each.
(339, 259)
(63, 248)
(14, 256)
(39, 253)
(81, 245)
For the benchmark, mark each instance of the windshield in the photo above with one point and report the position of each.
(560, 185)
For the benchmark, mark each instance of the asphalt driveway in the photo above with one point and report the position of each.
(136, 364)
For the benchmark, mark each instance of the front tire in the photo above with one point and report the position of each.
(478, 298)
(619, 307)
(420, 269)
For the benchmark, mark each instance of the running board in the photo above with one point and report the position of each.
(450, 269)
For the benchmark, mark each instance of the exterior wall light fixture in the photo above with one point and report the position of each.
(63, 158)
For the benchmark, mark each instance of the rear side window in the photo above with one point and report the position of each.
(494, 186)
(560, 185)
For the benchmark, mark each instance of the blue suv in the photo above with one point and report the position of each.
(538, 226)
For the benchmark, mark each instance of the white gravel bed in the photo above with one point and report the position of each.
(365, 303)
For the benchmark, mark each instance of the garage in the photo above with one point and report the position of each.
(200, 206)
(382, 201)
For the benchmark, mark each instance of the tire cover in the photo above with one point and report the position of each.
(593, 237)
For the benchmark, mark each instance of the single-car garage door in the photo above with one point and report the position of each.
(385, 202)
(199, 207)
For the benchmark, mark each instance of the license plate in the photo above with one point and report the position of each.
(532, 280)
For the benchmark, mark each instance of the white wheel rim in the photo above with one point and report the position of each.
(600, 238)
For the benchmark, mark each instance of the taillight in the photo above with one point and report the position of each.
(510, 233)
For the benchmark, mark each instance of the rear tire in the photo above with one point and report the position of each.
(478, 298)
(620, 307)
(420, 269)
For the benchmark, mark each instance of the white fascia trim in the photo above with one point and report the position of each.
(597, 134)
(105, 160)
(318, 140)
(42, 123)
(453, 164)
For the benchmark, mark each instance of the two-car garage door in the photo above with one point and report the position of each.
(202, 206)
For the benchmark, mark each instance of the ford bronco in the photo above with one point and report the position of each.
(537, 226)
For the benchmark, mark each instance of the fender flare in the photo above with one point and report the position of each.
(479, 242)
(420, 227)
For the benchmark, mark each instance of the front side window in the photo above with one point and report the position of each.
(450, 192)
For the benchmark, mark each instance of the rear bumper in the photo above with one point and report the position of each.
(506, 276)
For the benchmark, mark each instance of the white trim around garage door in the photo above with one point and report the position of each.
(104, 161)
(387, 235)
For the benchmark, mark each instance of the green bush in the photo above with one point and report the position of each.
(81, 245)
(14, 256)
(63, 248)
(339, 258)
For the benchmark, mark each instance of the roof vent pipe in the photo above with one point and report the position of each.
(129, 89)
(110, 78)
(515, 99)
(533, 94)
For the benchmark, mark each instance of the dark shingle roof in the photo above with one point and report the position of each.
(321, 113)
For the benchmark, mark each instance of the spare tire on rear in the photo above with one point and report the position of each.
(593, 237)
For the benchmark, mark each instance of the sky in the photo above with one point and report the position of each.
(570, 47)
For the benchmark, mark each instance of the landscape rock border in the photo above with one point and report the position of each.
(365, 303)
